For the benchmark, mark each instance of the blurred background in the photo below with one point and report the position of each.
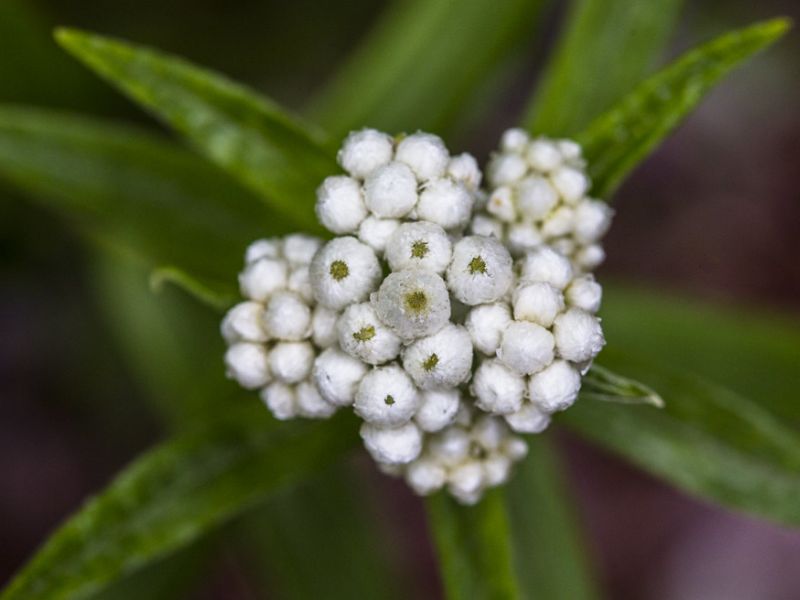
(714, 215)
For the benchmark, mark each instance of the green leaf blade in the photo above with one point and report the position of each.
(474, 547)
(621, 138)
(608, 46)
(249, 136)
(174, 494)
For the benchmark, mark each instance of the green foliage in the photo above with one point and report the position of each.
(251, 137)
(608, 46)
(176, 493)
(132, 191)
(621, 138)
(422, 62)
(474, 547)
(603, 384)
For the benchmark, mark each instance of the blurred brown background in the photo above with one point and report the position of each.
(715, 213)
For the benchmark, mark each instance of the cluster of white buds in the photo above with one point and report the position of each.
(539, 197)
(441, 342)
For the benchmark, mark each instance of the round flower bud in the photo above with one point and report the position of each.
(299, 248)
(590, 257)
(528, 419)
(396, 446)
(310, 402)
(543, 155)
(344, 271)
(280, 400)
(376, 232)
(526, 347)
(523, 237)
(386, 397)
(501, 204)
(515, 448)
(564, 245)
(571, 184)
(451, 446)
(437, 409)
(260, 279)
(247, 363)
(481, 270)
(536, 197)
(337, 376)
(362, 335)
(514, 140)
(266, 248)
(441, 360)
(364, 151)
(559, 222)
(497, 389)
(425, 153)
(592, 220)
(545, 265)
(243, 323)
(287, 317)
(537, 302)
(555, 387)
(486, 226)
(584, 293)
(571, 151)
(425, 476)
(291, 362)
(340, 207)
(465, 482)
(421, 244)
(446, 203)
(578, 335)
(486, 324)
(323, 326)
(413, 302)
(489, 432)
(300, 283)
(464, 168)
(391, 191)
(496, 469)
(506, 168)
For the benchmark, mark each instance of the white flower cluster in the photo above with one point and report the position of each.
(441, 342)
(539, 196)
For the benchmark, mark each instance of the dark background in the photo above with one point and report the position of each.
(715, 213)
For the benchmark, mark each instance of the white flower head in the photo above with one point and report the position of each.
(505, 169)
(362, 335)
(545, 265)
(464, 168)
(590, 257)
(391, 191)
(263, 277)
(514, 140)
(386, 397)
(438, 409)
(310, 403)
(323, 326)
(535, 197)
(486, 324)
(445, 202)
(465, 482)
(543, 155)
(340, 205)
(264, 248)
(585, 293)
(501, 204)
(571, 183)
(578, 335)
(392, 446)
(537, 302)
(376, 232)
(243, 323)
(555, 387)
(528, 419)
(248, 364)
(523, 237)
(421, 244)
(364, 151)
(413, 302)
(291, 362)
(526, 347)
(481, 270)
(426, 475)
(337, 375)
(287, 317)
(299, 282)
(486, 226)
(425, 154)
(344, 271)
(497, 389)
(299, 248)
(441, 360)
(280, 399)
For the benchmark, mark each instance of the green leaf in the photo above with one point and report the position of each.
(132, 191)
(707, 440)
(422, 62)
(607, 47)
(548, 550)
(214, 294)
(251, 137)
(621, 138)
(753, 354)
(171, 496)
(473, 544)
(603, 384)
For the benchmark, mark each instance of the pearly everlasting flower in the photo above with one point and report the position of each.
(538, 196)
(486, 324)
(481, 270)
(392, 446)
(340, 204)
(290, 362)
(526, 347)
(244, 323)
(365, 151)
(578, 335)
(248, 364)
(497, 388)
(337, 375)
(391, 191)
(386, 397)
(419, 245)
(344, 271)
(362, 335)
(413, 303)
(442, 360)
(376, 232)
(438, 408)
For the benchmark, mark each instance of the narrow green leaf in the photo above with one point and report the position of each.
(473, 544)
(603, 384)
(548, 550)
(621, 138)
(422, 62)
(216, 295)
(132, 191)
(176, 493)
(707, 440)
(251, 137)
(753, 354)
(607, 47)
